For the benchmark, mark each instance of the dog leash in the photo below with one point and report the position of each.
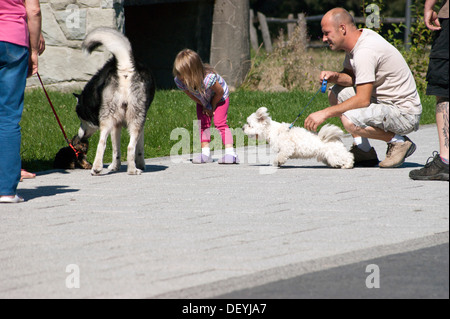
(56, 115)
(322, 89)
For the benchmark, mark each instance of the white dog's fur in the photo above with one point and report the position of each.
(297, 142)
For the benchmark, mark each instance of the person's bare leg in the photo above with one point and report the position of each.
(442, 122)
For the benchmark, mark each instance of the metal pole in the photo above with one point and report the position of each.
(408, 24)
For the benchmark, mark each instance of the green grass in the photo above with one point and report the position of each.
(42, 137)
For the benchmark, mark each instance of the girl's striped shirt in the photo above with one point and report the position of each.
(208, 82)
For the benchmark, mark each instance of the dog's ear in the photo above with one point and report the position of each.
(261, 114)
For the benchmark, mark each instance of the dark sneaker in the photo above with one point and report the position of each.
(434, 170)
(364, 159)
(397, 152)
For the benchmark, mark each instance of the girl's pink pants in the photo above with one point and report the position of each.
(220, 122)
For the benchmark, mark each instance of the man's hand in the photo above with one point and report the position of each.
(330, 76)
(430, 17)
(314, 120)
(431, 20)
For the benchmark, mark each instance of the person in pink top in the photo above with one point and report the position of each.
(20, 34)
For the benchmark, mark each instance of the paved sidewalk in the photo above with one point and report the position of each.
(182, 230)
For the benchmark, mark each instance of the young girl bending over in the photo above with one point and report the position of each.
(209, 90)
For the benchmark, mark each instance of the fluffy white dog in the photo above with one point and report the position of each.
(297, 142)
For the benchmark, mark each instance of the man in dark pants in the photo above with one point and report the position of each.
(437, 78)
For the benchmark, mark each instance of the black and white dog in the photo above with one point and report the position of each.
(119, 95)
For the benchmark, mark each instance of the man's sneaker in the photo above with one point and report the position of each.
(397, 152)
(364, 159)
(202, 159)
(434, 170)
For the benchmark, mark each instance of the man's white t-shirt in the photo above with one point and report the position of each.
(373, 59)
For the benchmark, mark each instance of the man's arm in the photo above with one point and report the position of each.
(360, 100)
(344, 78)
(34, 21)
(430, 16)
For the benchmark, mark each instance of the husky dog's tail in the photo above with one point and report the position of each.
(329, 133)
(115, 42)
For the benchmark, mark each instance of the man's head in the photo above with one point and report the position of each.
(339, 29)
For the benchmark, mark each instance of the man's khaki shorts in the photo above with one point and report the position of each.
(385, 116)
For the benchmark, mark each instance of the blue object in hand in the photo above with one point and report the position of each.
(323, 89)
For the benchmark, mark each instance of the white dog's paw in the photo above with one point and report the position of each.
(279, 161)
(277, 164)
(348, 166)
(135, 171)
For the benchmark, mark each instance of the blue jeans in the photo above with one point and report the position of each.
(13, 76)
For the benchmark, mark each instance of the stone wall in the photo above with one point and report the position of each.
(65, 23)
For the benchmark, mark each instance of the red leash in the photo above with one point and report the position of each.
(56, 115)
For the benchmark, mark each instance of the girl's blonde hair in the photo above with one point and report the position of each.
(190, 68)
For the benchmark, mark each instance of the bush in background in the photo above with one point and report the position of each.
(291, 65)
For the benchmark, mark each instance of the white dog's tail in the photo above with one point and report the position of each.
(115, 42)
(329, 133)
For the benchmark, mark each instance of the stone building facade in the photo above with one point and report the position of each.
(157, 29)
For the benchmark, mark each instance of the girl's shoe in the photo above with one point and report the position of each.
(202, 159)
(11, 199)
(229, 159)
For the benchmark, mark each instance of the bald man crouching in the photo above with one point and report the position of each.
(375, 95)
